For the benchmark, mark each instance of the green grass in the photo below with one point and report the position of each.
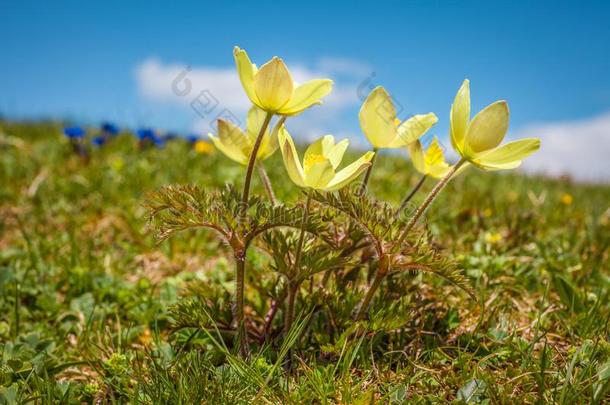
(93, 310)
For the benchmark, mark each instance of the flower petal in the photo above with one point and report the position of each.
(291, 157)
(230, 152)
(416, 153)
(487, 128)
(306, 95)
(270, 142)
(377, 118)
(318, 174)
(413, 128)
(459, 116)
(508, 156)
(335, 154)
(350, 172)
(246, 71)
(273, 85)
(232, 142)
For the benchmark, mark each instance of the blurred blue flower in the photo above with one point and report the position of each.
(98, 140)
(192, 138)
(146, 134)
(159, 142)
(109, 128)
(170, 136)
(74, 132)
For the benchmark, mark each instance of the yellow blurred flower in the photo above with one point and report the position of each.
(320, 162)
(271, 87)
(381, 127)
(567, 199)
(493, 238)
(478, 140)
(237, 145)
(203, 147)
(487, 212)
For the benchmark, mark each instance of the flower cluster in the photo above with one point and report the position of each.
(274, 95)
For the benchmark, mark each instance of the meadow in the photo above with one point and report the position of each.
(94, 308)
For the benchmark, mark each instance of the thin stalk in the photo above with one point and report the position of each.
(429, 199)
(409, 196)
(382, 271)
(240, 257)
(293, 287)
(251, 162)
(242, 336)
(266, 183)
(367, 174)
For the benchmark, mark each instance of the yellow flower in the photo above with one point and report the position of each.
(381, 127)
(237, 145)
(271, 87)
(431, 162)
(478, 140)
(567, 199)
(320, 163)
(493, 238)
(203, 147)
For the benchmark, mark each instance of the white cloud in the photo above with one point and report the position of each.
(211, 91)
(576, 148)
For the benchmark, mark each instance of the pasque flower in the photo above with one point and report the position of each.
(430, 162)
(477, 140)
(271, 87)
(319, 168)
(237, 144)
(381, 127)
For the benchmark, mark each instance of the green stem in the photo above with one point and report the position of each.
(382, 271)
(408, 198)
(266, 183)
(251, 162)
(367, 174)
(429, 199)
(242, 336)
(293, 286)
(240, 257)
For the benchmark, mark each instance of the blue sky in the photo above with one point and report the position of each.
(91, 61)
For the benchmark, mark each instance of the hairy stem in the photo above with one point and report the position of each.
(266, 183)
(409, 196)
(367, 174)
(240, 257)
(242, 336)
(429, 199)
(382, 271)
(294, 286)
(251, 162)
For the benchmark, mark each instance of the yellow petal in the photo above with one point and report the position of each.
(336, 152)
(416, 153)
(487, 128)
(246, 71)
(508, 156)
(350, 172)
(377, 118)
(232, 141)
(273, 85)
(434, 154)
(413, 128)
(306, 95)
(271, 143)
(319, 173)
(230, 152)
(291, 158)
(459, 116)
(436, 165)
(254, 122)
